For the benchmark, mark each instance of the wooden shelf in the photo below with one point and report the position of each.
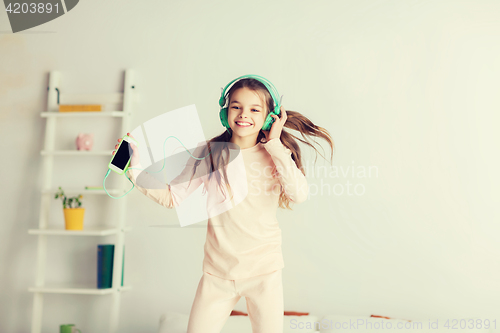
(83, 191)
(58, 114)
(77, 153)
(90, 231)
(76, 289)
(120, 106)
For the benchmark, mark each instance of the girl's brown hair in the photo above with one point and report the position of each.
(295, 121)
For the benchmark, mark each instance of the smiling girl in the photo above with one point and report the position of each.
(243, 255)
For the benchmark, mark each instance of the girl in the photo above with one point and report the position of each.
(243, 253)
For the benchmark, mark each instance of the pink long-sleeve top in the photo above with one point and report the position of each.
(246, 239)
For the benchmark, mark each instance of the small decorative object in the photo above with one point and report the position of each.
(79, 108)
(73, 216)
(69, 328)
(84, 141)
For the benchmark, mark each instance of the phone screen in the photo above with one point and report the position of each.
(122, 155)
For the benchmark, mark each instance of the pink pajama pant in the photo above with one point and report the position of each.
(216, 297)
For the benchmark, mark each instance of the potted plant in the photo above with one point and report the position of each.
(73, 212)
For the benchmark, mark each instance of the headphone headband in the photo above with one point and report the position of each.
(270, 87)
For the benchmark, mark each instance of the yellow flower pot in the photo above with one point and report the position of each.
(73, 218)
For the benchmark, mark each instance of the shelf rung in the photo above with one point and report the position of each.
(98, 98)
(77, 153)
(58, 114)
(99, 231)
(84, 191)
(84, 290)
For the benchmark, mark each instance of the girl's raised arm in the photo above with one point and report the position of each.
(173, 194)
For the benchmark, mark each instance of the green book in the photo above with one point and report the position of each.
(105, 256)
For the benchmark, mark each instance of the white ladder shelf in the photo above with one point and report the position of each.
(47, 193)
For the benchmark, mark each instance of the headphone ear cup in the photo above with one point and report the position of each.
(268, 122)
(223, 118)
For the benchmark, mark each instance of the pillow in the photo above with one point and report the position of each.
(291, 324)
(300, 323)
(175, 322)
(237, 324)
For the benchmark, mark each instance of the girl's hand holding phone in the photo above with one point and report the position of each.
(135, 160)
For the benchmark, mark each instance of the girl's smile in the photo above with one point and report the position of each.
(246, 114)
(243, 124)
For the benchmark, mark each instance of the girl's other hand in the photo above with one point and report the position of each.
(277, 126)
(135, 152)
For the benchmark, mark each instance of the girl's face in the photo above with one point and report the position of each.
(246, 113)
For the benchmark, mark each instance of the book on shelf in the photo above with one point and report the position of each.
(105, 257)
(79, 107)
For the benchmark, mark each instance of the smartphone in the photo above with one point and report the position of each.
(121, 159)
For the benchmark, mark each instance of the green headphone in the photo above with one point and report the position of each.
(272, 90)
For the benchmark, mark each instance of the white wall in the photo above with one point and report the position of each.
(407, 87)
